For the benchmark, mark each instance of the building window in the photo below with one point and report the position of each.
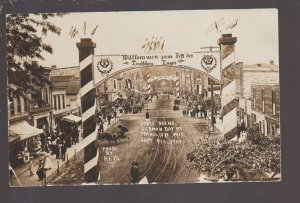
(263, 127)
(55, 104)
(59, 104)
(268, 127)
(19, 104)
(46, 92)
(273, 129)
(273, 103)
(63, 100)
(263, 100)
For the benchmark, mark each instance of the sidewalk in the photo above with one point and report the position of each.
(23, 174)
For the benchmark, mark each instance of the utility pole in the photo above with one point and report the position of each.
(191, 85)
(212, 105)
(184, 83)
(212, 91)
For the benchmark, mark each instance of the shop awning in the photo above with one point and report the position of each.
(72, 118)
(13, 138)
(24, 130)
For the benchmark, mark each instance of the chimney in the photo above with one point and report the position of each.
(271, 62)
(259, 65)
(53, 66)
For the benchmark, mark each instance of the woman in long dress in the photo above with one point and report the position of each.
(48, 162)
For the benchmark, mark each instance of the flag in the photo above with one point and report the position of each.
(162, 45)
(84, 28)
(221, 21)
(94, 30)
(216, 25)
(211, 28)
(74, 33)
(232, 24)
(71, 30)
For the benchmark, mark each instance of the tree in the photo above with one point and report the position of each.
(25, 47)
(251, 158)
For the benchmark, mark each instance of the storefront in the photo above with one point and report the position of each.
(71, 125)
(272, 126)
(22, 138)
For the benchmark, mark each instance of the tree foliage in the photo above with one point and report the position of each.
(250, 158)
(25, 47)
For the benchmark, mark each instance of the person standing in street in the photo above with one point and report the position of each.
(31, 167)
(41, 171)
(205, 114)
(238, 128)
(101, 126)
(147, 114)
(184, 112)
(134, 172)
(108, 118)
(243, 126)
(115, 114)
(63, 151)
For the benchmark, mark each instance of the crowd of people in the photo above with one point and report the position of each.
(200, 107)
(46, 145)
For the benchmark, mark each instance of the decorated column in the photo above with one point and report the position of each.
(88, 105)
(229, 100)
(177, 85)
(149, 87)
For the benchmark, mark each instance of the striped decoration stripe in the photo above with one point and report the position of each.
(149, 87)
(228, 95)
(177, 86)
(88, 105)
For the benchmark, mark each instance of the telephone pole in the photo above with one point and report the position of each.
(212, 91)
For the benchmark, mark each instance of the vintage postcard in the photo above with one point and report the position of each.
(152, 97)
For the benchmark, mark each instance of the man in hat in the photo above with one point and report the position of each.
(134, 171)
(147, 114)
(63, 150)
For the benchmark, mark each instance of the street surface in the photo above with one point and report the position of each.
(160, 146)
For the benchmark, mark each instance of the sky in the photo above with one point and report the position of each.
(183, 31)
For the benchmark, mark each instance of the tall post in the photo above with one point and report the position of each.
(88, 103)
(184, 83)
(177, 86)
(191, 85)
(229, 100)
(212, 105)
(149, 87)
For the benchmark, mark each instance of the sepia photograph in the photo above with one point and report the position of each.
(143, 97)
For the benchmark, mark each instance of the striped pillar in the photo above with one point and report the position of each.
(177, 86)
(149, 87)
(88, 105)
(229, 100)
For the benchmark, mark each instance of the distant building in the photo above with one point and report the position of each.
(246, 75)
(65, 95)
(41, 110)
(20, 133)
(265, 109)
(30, 115)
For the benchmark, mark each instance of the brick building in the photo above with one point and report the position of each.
(246, 75)
(266, 107)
